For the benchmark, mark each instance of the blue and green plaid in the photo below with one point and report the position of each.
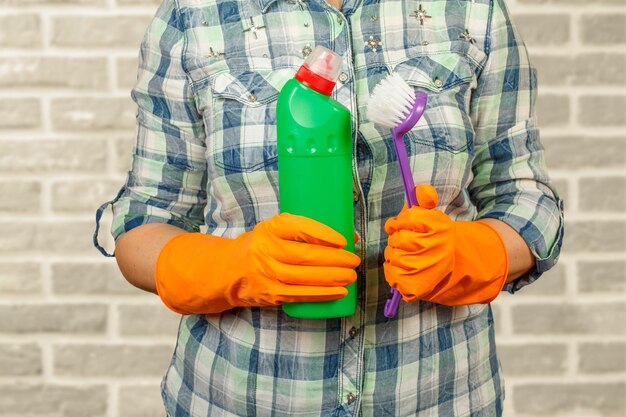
(205, 159)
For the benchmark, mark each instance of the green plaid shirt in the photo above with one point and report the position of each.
(205, 159)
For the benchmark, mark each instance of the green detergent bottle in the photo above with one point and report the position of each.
(314, 138)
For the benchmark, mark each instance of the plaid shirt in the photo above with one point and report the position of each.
(209, 75)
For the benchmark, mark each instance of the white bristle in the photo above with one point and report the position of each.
(390, 101)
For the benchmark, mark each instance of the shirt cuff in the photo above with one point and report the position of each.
(544, 242)
(128, 214)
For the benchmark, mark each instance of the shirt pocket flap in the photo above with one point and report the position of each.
(436, 72)
(252, 88)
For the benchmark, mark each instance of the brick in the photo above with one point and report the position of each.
(50, 237)
(81, 195)
(20, 278)
(14, 3)
(602, 194)
(602, 110)
(595, 236)
(543, 29)
(603, 28)
(126, 72)
(575, 399)
(20, 31)
(601, 358)
(551, 283)
(37, 400)
(606, 69)
(22, 359)
(57, 156)
(553, 110)
(598, 69)
(123, 154)
(602, 276)
(145, 320)
(53, 318)
(533, 359)
(140, 401)
(567, 319)
(71, 114)
(571, 152)
(66, 72)
(111, 360)
(20, 113)
(90, 278)
(20, 196)
(99, 31)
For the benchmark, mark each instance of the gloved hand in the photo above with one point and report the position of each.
(433, 258)
(287, 258)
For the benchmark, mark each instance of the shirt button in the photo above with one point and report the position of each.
(350, 397)
(352, 332)
(438, 83)
(355, 195)
(339, 20)
(252, 98)
(343, 77)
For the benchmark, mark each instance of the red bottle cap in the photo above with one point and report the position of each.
(320, 70)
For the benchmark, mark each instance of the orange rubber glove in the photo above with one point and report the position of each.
(287, 258)
(433, 258)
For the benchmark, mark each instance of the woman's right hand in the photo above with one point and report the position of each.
(287, 258)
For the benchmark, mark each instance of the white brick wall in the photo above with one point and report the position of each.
(562, 340)
(77, 340)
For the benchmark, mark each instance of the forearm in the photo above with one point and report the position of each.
(137, 251)
(521, 259)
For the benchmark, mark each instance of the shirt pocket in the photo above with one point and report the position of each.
(243, 119)
(447, 77)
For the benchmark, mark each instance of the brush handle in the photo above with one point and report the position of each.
(391, 307)
(405, 168)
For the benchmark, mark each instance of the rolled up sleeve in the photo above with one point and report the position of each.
(510, 180)
(167, 180)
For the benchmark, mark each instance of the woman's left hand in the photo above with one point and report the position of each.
(431, 257)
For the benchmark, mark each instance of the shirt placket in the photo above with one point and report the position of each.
(351, 362)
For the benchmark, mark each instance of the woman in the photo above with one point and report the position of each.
(209, 76)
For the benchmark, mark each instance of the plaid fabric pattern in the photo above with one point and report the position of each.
(205, 159)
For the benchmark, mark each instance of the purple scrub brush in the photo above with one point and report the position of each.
(396, 105)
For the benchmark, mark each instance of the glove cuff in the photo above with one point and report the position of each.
(181, 273)
(481, 253)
